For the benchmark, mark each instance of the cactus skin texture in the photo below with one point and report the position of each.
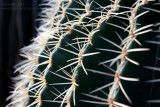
(92, 53)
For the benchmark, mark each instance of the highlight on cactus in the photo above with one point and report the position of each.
(92, 53)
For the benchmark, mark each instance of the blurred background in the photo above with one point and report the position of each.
(17, 28)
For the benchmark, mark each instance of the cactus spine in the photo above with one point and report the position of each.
(87, 52)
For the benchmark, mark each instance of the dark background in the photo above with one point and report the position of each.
(17, 28)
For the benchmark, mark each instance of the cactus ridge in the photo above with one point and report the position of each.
(156, 66)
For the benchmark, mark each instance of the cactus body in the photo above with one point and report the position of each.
(92, 53)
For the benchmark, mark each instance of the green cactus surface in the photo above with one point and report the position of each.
(92, 53)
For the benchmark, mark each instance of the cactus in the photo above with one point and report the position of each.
(92, 53)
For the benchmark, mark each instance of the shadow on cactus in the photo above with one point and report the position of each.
(92, 53)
